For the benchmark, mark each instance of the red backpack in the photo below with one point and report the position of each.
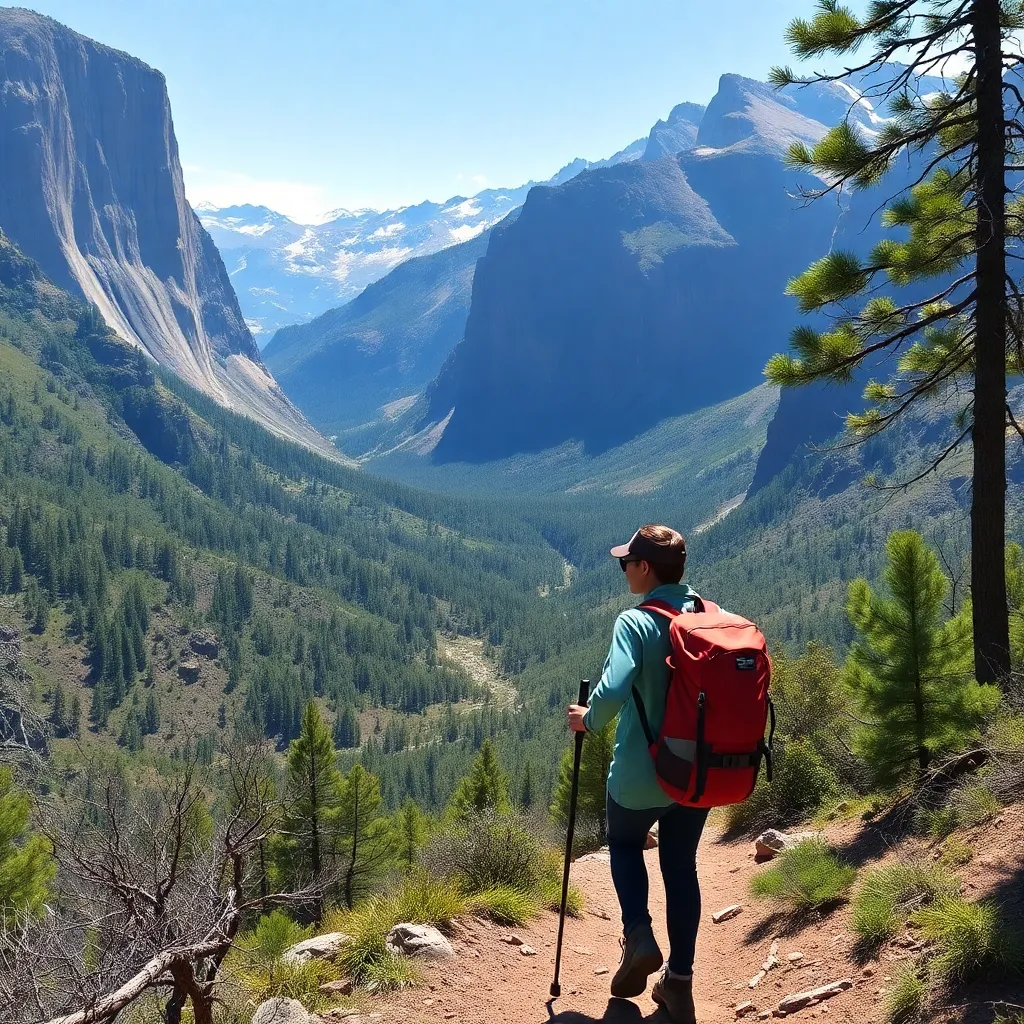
(712, 740)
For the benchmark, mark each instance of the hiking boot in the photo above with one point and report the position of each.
(641, 957)
(674, 994)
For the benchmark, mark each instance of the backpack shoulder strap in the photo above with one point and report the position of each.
(670, 611)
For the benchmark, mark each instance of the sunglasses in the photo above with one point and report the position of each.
(623, 562)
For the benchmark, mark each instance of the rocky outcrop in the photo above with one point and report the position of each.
(189, 671)
(282, 1010)
(204, 644)
(91, 188)
(772, 842)
(419, 940)
(320, 947)
(676, 133)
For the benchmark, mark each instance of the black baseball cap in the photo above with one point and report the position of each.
(650, 551)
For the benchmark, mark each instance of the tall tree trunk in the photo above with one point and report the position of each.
(314, 836)
(988, 502)
(350, 874)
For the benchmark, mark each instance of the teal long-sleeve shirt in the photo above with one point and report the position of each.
(639, 647)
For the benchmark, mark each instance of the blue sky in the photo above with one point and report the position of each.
(309, 105)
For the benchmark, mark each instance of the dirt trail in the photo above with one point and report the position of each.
(491, 981)
(468, 653)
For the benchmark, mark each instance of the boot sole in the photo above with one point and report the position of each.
(635, 982)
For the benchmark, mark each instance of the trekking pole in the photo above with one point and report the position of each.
(556, 989)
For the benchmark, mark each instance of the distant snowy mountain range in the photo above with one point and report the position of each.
(286, 273)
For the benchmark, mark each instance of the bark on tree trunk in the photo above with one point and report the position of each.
(988, 502)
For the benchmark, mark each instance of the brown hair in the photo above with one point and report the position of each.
(671, 540)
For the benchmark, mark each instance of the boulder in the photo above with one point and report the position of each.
(419, 940)
(204, 644)
(344, 987)
(189, 670)
(321, 947)
(772, 842)
(281, 1010)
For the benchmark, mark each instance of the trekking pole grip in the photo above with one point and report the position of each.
(584, 692)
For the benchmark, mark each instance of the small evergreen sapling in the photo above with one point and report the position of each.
(484, 788)
(910, 673)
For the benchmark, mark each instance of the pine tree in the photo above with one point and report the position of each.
(59, 712)
(484, 788)
(75, 717)
(410, 832)
(17, 574)
(526, 797)
(954, 224)
(365, 840)
(346, 729)
(131, 734)
(314, 789)
(151, 716)
(910, 673)
(590, 801)
(26, 867)
(99, 708)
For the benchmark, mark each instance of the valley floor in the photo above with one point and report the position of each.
(492, 981)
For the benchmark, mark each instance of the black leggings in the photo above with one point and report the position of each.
(679, 833)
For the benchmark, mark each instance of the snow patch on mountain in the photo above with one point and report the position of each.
(285, 273)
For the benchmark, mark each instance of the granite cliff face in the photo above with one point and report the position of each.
(91, 188)
(636, 292)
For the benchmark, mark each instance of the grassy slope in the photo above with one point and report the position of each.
(700, 461)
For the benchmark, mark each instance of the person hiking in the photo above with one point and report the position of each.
(653, 561)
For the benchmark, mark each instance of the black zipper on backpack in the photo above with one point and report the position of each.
(702, 759)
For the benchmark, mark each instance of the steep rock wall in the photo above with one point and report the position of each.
(91, 188)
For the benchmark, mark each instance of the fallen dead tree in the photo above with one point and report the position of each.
(150, 895)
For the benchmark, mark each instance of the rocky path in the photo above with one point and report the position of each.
(492, 980)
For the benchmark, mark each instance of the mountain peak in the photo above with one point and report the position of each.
(755, 116)
(676, 133)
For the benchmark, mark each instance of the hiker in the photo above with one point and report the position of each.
(653, 561)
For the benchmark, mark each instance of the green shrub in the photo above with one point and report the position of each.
(955, 854)
(1006, 733)
(423, 899)
(506, 906)
(487, 851)
(968, 937)
(549, 888)
(295, 981)
(274, 933)
(936, 822)
(889, 895)
(808, 877)
(366, 959)
(256, 965)
(1006, 1015)
(906, 999)
(974, 804)
(801, 783)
